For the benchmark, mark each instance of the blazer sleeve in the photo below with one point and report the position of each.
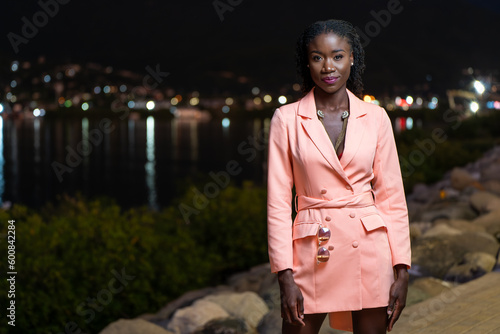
(389, 193)
(279, 195)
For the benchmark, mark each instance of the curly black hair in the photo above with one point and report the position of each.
(342, 29)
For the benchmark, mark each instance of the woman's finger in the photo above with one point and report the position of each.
(395, 314)
(299, 315)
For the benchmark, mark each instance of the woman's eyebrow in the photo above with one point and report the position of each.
(333, 51)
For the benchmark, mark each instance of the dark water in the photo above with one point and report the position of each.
(135, 161)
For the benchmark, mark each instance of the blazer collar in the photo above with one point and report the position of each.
(314, 128)
(307, 105)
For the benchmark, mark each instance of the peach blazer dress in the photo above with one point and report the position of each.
(359, 198)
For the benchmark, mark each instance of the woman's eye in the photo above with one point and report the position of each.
(338, 57)
(316, 58)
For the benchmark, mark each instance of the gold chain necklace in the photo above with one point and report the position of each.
(341, 137)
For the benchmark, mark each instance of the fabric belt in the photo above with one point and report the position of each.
(352, 201)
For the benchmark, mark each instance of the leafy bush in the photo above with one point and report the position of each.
(69, 254)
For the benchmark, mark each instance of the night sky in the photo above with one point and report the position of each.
(255, 41)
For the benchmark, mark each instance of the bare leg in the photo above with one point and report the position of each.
(370, 321)
(313, 324)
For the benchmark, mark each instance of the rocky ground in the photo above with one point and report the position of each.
(455, 232)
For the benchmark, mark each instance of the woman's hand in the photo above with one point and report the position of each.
(397, 298)
(292, 302)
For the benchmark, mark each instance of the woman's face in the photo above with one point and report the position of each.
(330, 59)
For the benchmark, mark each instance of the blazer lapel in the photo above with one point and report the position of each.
(315, 130)
(355, 129)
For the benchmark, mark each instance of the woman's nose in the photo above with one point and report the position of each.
(328, 67)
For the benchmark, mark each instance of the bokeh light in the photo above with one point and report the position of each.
(150, 105)
(474, 106)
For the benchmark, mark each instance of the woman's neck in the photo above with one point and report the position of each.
(338, 101)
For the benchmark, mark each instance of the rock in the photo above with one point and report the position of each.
(271, 323)
(162, 316)
(432, 286)
(251, 280)
(489, 221)
(188, 319)
(461, 179)
(482, 260)
(449, 210)
(415, 231)
(229, 325)
(434, 256)
(271, 294)
(484, 201)
(464, 273)
(421, 193)
(420, 228)
(133, 326)
(449, 194)
(247, 305)
(424, 288)
(491, 172)
(461, 225)
(474, 265)
(496, 268)
(441, 230)
(269, 282)
(414, 210)
(492, 186)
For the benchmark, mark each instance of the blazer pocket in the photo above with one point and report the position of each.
(303, 230)
(372, 222)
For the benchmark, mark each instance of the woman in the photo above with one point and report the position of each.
(348, 250)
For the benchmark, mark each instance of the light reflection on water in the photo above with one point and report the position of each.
(151, 163)
(139, 162)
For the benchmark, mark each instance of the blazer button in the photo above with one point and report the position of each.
(328, 218)
(348, 187)
(355, 244)
(323, 191)
(352, 214)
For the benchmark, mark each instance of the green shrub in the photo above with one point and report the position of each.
(67, 253)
